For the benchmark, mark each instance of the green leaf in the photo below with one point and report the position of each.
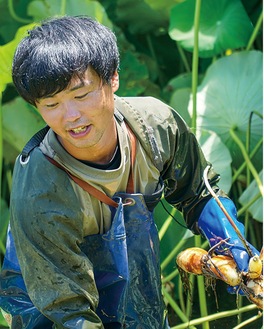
(230, 91)
(221, 23)
(133, 73)
(137, 16)
(163, 6)
(4, 223)
(179, 101)
(218, 155)
(256, 209)
(3, 322)
(6, 56)
(20, 122)
(40, 10)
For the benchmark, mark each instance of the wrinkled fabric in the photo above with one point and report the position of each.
(129, 274)
(49, 221)
(14, 299)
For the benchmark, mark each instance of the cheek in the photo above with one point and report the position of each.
(52, 118)
(104, 107)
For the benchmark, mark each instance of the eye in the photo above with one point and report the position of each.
(81, 96)
(50, 106)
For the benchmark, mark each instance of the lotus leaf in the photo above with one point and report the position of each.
(220, 26)
(229, 93)
(20, 122)
(256, 209)
(218, 155)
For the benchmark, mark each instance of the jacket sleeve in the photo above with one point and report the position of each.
(183, 174)
(47, 226)
(15, 303)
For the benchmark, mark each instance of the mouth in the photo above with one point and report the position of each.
(79, 130)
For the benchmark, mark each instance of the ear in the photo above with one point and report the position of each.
(115, 81)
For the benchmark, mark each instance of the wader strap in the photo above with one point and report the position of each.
(133, 140)
(94, 191)
(86, 186)
(33, 142)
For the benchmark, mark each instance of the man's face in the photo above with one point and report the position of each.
(82, 114)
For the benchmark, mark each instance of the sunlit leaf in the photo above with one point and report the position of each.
(3, 323)
(256, 209)
(218, 155)
(230, 91)
(20, 122)
(4, 219)
(6, 56)
(179, 101)
(220, 26)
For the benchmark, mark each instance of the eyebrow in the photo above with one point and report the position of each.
(78, 86)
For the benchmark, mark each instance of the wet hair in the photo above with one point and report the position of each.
(60, 49)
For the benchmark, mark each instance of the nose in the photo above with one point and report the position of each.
(71, 111)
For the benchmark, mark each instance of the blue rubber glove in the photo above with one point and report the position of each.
(215, 227)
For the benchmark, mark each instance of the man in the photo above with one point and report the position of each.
(84, 189)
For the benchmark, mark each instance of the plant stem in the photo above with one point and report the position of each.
(153, 54)
(195, 61)
(215, 316)
(172, 254)
(183, 57)
(255, 32)
(174, 306)
(190, 294)
(242, 167)
(246, 157)
(246, 206)
(201, 290)
(246, 322)
(14, 15)
(165, 227)
(1, 148)
(63, 7)
(181, 297)
(170, 276)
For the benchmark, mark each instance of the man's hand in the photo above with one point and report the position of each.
(216, 227)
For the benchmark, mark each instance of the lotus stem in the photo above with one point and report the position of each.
(246, 157)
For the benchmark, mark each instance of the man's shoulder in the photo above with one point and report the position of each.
(145, 105)
(36, 172)
(145, 112)
(149, 118)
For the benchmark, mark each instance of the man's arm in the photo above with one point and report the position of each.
(187, 191)
(47, 225)
(15, 303)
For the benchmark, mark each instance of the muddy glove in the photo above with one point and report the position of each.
(215, 227)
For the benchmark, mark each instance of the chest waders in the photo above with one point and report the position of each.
(126, 258)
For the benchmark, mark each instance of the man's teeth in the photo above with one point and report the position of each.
(78, 130)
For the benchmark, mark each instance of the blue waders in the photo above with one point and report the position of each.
(126, 267)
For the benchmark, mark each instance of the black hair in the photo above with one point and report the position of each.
(60, 49)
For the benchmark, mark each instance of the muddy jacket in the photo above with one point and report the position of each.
(54, 222)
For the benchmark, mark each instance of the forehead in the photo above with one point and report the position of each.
(90, 77)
